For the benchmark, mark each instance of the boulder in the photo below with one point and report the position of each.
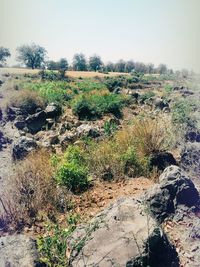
(192, 136)
(22, 147)
(35, 122)
(160, 103)
(190, 157)
(3, 140)
(13, 112)
(119, 236)
(161, 160)
(1, 114)
(18, 251)
(53, 110)
(175, 189)
(88, 130)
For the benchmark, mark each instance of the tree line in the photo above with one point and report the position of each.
(35, 57)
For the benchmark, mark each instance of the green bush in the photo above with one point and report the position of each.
(95, 105)
(182, 112)
(109, 127)
(72, 171)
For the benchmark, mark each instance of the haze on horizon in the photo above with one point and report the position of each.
(153, 31)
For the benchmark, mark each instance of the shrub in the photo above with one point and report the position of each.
(182, 113)
(72, 171)
(109, 127)
(146, 96)
(96, 104)
(168, 88)
(27, 101)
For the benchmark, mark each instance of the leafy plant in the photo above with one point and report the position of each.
(72, 171)
(182, 112)
(109, 127)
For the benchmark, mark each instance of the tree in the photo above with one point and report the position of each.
(162, 69)
(52, 65)
(33, 56)
(129, 66)
(120, 66)
(95, 63)
(4, 54)
(62, 66)
(79, 62)
(109, 67)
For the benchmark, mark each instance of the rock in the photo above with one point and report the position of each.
(1, 82)
(22, 147)
(158, 252)
(174, 189)
(3, 140)
(67, 138)
(18, 251)
(160, 103)
(1, 114)
(35, 122)
(13, 112)
(19, 123)
(161, 160)
(119, 237)
(192, 136)
(88, 130)
(47, 139)
(190, 157)
(53, 110)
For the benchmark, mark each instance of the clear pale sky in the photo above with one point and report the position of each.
(157, 31)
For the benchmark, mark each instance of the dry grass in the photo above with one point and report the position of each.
(34, 191)
(74, 74)
(27, 100)
(130, 148)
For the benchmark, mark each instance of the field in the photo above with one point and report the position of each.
(74, 74)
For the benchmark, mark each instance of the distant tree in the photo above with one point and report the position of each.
(33, 56)
(4, 54)
(62, 66)
(129, 66)
(150, 68)
(162, 69)
(79, 62)
(52, 65)
(140, 67)
(184, 73)
(110, 67)
(95, 63)
(120, 66)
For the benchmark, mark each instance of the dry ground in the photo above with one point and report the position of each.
(74, 74)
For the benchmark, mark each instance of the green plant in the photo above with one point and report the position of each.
(146, 96)
(182, 112)
(168, 88)
(53, 247)
(72, 171)
(109, 127)
(96, 104)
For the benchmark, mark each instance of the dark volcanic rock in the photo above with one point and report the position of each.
(35, 122)
(22, 147)
(190, 157)
(161, 160)
(174, 189)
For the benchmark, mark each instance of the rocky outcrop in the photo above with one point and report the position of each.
(35, 122)
(174, 189)
(22, 147)
(18, 250)
(120, 236)
(190, 157)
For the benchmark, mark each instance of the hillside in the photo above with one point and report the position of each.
(99, 169)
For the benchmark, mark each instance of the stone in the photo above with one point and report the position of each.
(35, 122)
(22, 147)
(118, 236)
(160, 103)
(18, 251)
(88, 130)
(175, 189)
(192, 136)
(53, 110)
(190, 157)
(161, 160)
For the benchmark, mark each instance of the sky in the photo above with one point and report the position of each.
(156, 31)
